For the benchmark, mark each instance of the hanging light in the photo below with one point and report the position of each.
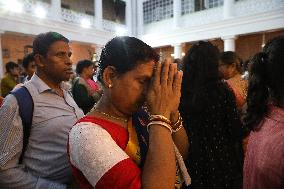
(263, 40)
(85, 23)
(13, 6)
(40, 12)
(119, 31)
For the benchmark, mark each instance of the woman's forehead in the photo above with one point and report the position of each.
(145, 68)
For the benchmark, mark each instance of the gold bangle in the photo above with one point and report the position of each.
(156, 117)
(178, 121)
(177, 129)
(160, 123)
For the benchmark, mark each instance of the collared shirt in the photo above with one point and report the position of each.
(45, 162)
(264, 160)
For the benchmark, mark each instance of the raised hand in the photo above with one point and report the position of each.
(164, 91)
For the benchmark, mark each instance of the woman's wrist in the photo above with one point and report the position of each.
(174, 116)
(161, 120)
(178, 123)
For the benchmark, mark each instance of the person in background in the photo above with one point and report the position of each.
(211, 119)
(29, 66)
(93, 82)
(84, 93)
(230, 67)
(111, 147)
(43, 164)
(264, 160)
(11, 78)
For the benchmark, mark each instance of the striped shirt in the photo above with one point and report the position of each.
(45, 162)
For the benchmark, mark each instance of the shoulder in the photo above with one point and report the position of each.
(5, 79)
(9, 103)
(85, 130)
(78, 83)
(9, 111)
(93, 151)
(10, 130)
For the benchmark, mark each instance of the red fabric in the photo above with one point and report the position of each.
(118, 133)
(1, 101)
(93, 84)
(264, 160)
(125, 174)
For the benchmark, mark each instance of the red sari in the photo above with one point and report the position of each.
(104, 155)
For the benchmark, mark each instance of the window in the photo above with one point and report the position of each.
(156, 10)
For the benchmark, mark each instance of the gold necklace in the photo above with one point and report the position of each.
(111, 116)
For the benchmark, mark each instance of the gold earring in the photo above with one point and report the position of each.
(109, 86)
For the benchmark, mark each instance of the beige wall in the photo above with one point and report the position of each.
(246, 46)
(15, 43)
(81, 52)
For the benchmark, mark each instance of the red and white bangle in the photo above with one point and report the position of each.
(178, 124)
(160, 123)
(178, 128)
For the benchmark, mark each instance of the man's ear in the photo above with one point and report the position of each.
(108, 76)
(39, 60)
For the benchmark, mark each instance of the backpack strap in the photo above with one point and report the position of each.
(26, 108)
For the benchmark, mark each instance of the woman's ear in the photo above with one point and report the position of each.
(108, 76)
(39, 60)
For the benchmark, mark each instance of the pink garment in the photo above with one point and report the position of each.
(93, 84)
(264, 160)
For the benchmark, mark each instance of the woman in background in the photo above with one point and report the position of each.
(212, 122)
(230, 67)
(84, 94)
(264, 160)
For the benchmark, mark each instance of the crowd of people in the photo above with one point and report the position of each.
(196, 123)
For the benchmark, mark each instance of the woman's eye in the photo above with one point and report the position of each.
(141, 81)
(60, 55)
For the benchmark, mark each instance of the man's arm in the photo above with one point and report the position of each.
(13, 174)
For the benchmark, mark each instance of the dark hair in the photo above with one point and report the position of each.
(200, 66)
(43, 41)
(230, 57)
(266, 78)
(11, 65)
(83, 64)
(27, 59)
(125, 53)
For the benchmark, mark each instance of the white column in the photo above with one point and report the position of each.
(1, 57)
(140, 19)
(128, 16)
(98, 14)
(177, 51)
(228, 9)
(177, 13)
(56, 9)
(206, 4)
(98, 49)
(229, 43)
